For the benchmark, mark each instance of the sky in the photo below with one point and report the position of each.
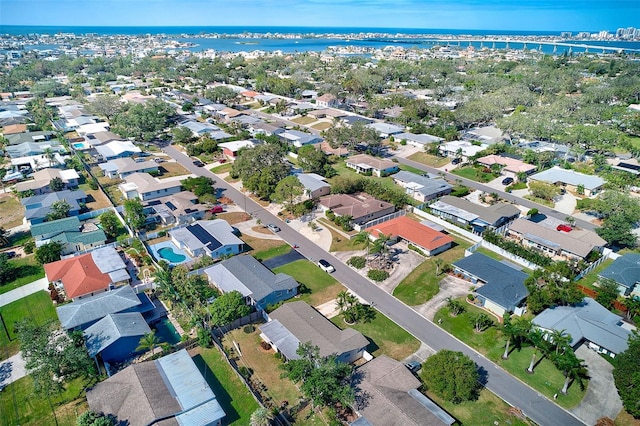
(525, 15)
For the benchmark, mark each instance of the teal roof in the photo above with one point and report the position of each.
(85, 238)
(60, 225)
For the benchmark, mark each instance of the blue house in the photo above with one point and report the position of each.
(501, 286)
(38, 207)
(115, 337)
(85, 312)
(256, 282)
(625, 271)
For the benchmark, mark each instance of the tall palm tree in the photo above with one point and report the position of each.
(633, 307)
(515, 330)
(148, 342)
(438, 262)
(571, 367)
(261, 417)
(49, 155)
(560, 339)
(363, 237)
(536, 337)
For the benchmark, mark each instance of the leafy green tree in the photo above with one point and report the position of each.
(261, 168)
(325, 380)
(607, 292)
(7, 270)
(134, 214)
(627, 379)
(107, 106)
(148, 342)
(480, 322)
(182, 135)
(49, 252)
(200, 186)
(144, 121)
(91, 418)
(228, 308)
(56, 184)
(454, 306)
(352, 136)
(546, 191)
(313, 160)
(221, 94)
(110, 224)
(59, 210)
(451, 375)
(288, 191)
(53, 357)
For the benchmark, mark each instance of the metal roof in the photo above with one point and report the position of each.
(557, 174)
(282, 338)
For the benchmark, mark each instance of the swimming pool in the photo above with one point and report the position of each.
(167, 253)
(166, 332)
(79, 145)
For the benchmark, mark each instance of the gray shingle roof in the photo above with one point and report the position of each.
(491, 214)
(504, 284)
(250, 277)
(587, 320)
(425, 185)
(92, 308)
(309, 325)
(40, 205)
(109, 329)
(312, 181)
(625, 270)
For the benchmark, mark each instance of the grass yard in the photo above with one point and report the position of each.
(422, 283)
(322, 126)
(319, 287)
(385, 336)
(235, 399)
(429, 160)
(27, 270)
(488, 409)
(222, 168)
(411, 169)
(474, 173)
(272, 252)
(37, 307)
(304, 120)
(546, 378)
(590, 279)
(540, 201)
(96, 199)
(626, 419)
(20, 405)
(11, 211)
(172, 168)
(234, 217)
(338, 241)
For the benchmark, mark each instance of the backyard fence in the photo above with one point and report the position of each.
(258, 315)
(379, 220)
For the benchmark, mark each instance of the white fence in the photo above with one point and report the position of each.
(379, 220)
(502, 252)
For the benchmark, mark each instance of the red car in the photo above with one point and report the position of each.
(564, 228)
(216, 209)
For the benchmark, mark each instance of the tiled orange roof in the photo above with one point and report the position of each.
(249, 94)
(79, 275)
(411, 231)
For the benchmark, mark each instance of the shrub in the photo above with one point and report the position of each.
(244, 371)
(417, 250)
(249, 329)
(377, 275)
(29, 246)
(330, 215)
(357, 262)
(162, 234)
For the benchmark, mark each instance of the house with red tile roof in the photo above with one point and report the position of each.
(88, 274)
(510, 166)
(430, 241)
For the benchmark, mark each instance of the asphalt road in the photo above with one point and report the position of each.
(516, 393)
(505, 195)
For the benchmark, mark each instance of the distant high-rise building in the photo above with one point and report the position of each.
(566, 34)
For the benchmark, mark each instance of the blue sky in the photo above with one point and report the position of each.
(528, 15)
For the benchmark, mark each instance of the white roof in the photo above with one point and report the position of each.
(236, 145)
(557, 174)
(115, 148)
(93, 128)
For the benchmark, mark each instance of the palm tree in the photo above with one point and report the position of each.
(363, 237)
(571, 367)
(514, 330)
(148, 342)
(438, 262)
(49, 155)
(536, 337)
(380, 246)
(261, 417)
(560, 340)
(633, 307)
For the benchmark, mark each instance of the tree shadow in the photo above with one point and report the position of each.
(223, 397)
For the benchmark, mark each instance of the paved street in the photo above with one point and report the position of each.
(505, 195)
(537, 407)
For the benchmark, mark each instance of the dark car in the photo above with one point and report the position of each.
(507, 181)
(413, 366)
(198, 163)
(10, 254)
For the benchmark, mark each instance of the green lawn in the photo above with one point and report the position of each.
(235, 399)
(411, 169)
(319, 287)
(422, 283)
(27, 270)
(590, 279)
(272, 252)
(322, 126)
(385, 336)
(474, 173)
(546, 378)
(304, 120)
(540, 201)
(37, 306)
(429, 160)
(222, 168)
(20, 405)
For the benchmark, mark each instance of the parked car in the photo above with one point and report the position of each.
(198, 163)
(507, 181)
(159, 160)
(564, 228)
(216, 209)
(326, 266)
(413, 366)
(10, 254)
(273, 228)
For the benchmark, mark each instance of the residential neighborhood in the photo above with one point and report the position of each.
(216, 244)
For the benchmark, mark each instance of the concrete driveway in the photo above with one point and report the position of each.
(601, 399)
(450, 286)
(566, 203)
(12, 369)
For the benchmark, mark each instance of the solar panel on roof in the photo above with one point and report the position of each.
(171, 205)
(204, 237)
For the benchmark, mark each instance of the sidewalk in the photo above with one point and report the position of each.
(12, 369)
(24, 291)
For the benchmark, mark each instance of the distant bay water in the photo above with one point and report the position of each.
(318, 43)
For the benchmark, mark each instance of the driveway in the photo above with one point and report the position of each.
(24, 291)
(601, 399)
(450, 286)
(566, 204)
(12, 369)
(284, 259)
